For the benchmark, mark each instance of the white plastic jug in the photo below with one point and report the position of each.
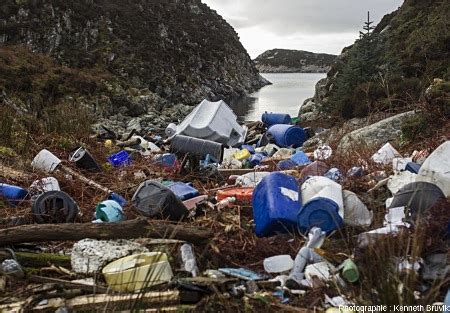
(319, 186)
(436, 168)
(355, 211)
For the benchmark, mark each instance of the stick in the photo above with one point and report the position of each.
(124, 230)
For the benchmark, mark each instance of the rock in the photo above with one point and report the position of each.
(376, 134)
(89, 255)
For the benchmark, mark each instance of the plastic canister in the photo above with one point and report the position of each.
(13, 194)
(183, 191)
(436, 167)
(242, 155)
(275, 204)
(323, 205)
(109, 211)
(270, 119)
(350, 271)
(287, 135)
(242, 194)
(121, 158)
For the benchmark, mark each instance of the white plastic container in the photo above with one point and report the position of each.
(44, 185)
(323, 187)
(251, 179)
(278, 263)
(355, 211)
(138, 271)
(213, 121)
(45, 161)
(436, 168)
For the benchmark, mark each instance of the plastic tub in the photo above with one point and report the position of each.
(287, 135)
(275, 204)
(121, 158)
(13, 194)
(138, 271)
(183, 191)
(270, 119)
(319, 212)
(242, 194)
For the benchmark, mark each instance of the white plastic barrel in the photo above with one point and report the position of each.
(323, 187)
(436, 168)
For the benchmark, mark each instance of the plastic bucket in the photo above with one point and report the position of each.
(54, 207)
(319, 212)
(276, 203)
(83, 159)
(195, 146)
(287, 135)
(270, 119)
(121, 158)
(45, 161)
(13, 194)
(109, 211)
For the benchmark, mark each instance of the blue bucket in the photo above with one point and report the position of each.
(12, 194)
(276, 202)
(270, 119)
(319, 212)
(287, 135)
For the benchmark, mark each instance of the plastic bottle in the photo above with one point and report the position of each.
(226, 202)
(188, 262)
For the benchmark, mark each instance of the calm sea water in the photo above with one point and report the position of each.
(287, 93)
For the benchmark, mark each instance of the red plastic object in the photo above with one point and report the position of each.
(242, 194)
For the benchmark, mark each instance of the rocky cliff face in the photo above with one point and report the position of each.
(175, 51)
(389, 70)
(293, 61)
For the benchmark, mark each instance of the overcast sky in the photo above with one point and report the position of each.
(312, 25)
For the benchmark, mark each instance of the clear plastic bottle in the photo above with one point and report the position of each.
(188, 262)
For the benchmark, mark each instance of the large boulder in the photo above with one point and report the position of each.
(376, 134)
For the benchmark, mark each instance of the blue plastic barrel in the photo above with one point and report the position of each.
(183, 191)
(121, 158)
(287, 135)
(276, 202)
(270, 119)
(319, 212)
(13, 194)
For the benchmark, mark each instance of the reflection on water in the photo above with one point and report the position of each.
(286, 94)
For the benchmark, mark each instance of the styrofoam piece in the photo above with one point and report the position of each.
(323, 187)
(45, 161)
(396, 182)
(399, 164)
(251, 179)
(436, 168)
(213, 121)
(385, 155)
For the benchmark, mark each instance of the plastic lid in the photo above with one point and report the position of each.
(319, 212)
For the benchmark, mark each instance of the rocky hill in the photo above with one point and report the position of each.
(390, 68)
(146, 54)
(293, 61)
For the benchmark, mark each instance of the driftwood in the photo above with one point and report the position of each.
(124, 230)
(68, 284)
(37, 260)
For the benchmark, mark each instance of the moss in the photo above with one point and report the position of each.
(414, 127)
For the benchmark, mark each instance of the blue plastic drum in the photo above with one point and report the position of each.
(287, 135)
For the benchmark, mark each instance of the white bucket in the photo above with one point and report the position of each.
(319, 186)
(436, 168)
(45, 161)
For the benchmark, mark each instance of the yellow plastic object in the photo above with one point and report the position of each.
(108, 143)
(138, 271)
(242, 154)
